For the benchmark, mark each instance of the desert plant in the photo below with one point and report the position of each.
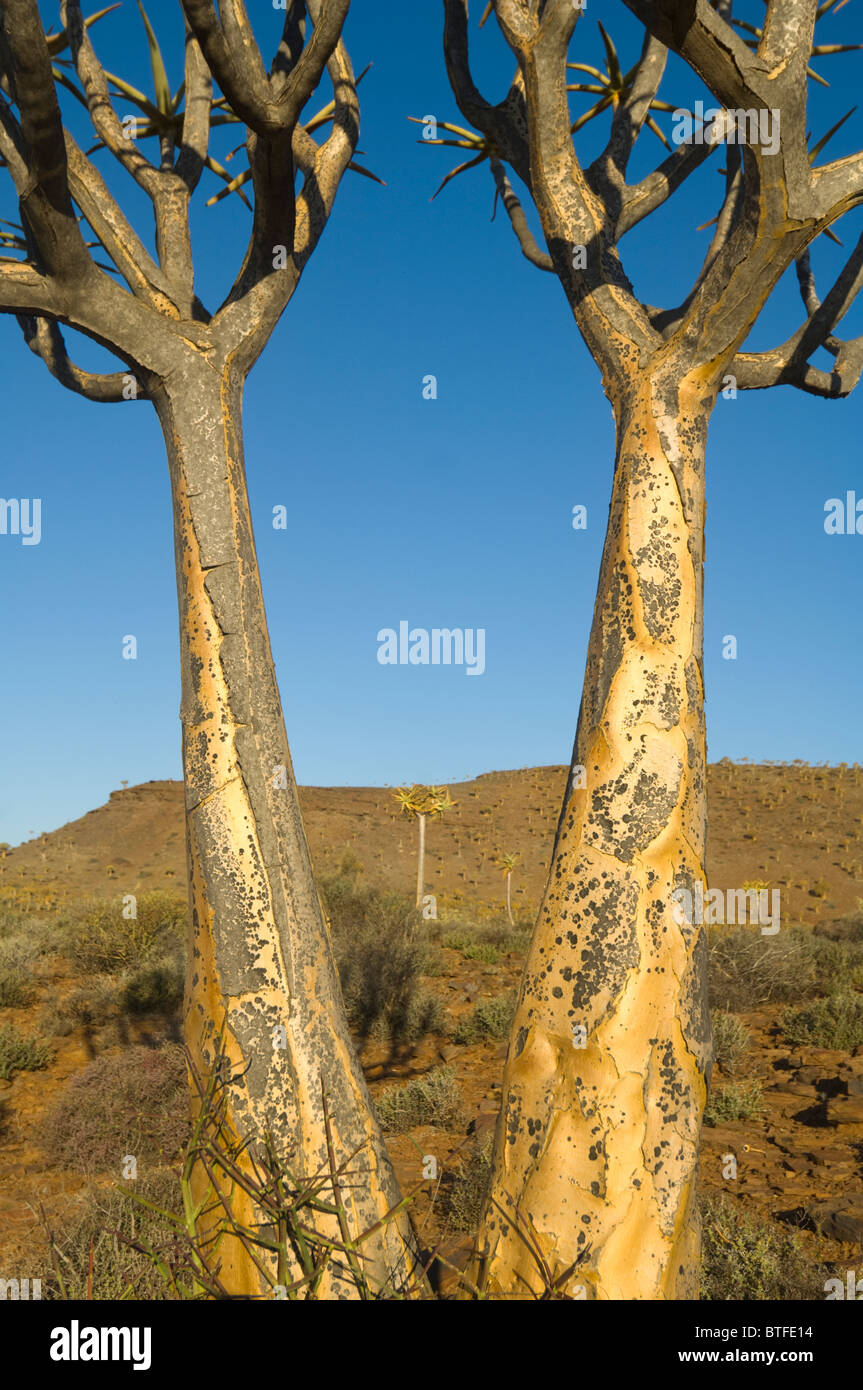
(745, 1257)
(730, 1040)
(433, 1099)
(101, 936)
(416, 803)
(632, 973)
(15, 991)
(153, 989)
(19, 1053)
(489, 1019)
(95, 1243)
(736, 1101)
(746, 969)
(253, 888)
(133, 1103)
(462, 1198)
(482, 952)
(381, 956)
(91, 1007)
(507, 864)
(835, 1022)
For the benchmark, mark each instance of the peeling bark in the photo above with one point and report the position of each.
(260, 955)
(597, 1144)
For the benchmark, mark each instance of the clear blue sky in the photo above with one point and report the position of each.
(447, 513)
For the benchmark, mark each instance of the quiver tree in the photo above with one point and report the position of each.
(260, 956)
(596, 1148)
(507, 864)
(417, 802)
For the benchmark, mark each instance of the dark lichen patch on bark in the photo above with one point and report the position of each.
(610, 946)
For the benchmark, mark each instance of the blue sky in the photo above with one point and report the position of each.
(454, 512)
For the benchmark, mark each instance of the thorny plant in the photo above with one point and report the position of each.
(290, 1231)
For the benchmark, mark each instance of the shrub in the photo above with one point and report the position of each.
(491, 1018)
(18, 1053)
(135, 1103)
(838, 964)
(434, 1099)
(836, 1022)
(746, 1258)
(91, 1007)
(481, 951)
(98, 937)
(14, 989)
(734, 1102)
(463, 1198)
(381, 955)
(154, 989)
(730, 1040)
(118, 1270)
(746, 969)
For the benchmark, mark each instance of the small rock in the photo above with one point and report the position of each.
(797, 1165)
(845, 1111)
(833, 1156)
(854, 1085)
(449, 1052)
(841, 1219)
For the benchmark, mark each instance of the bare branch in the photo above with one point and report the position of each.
(789, 363)
(45, 200)
(106, 122)
(291, 45)
(645, 197)
(25, 290)
(44, 338)
(116, 234)
(196, 118)
(236, 73)
(516, 213)
(329, 19)
(505, 124)
(696, 32)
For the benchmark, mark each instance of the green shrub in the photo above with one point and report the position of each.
(118, 1270)
(154, 989)
(836, 1022)
(745, 1258)
(838, 964)
(746, 969)
(434, 1099)
(15, 992)
(462, 1199)
(18, 1053)
(517, 942)
(734, 1102)
(134, 1103)
(481, 951)
(94, 1006)
(381, 951)
(730, 1040)
(99, 938)
(491, 1018)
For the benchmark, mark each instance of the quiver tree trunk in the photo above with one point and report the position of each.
(260, 956)
(421, 858)
(604, 1087)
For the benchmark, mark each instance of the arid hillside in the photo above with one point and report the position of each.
(789, 826)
